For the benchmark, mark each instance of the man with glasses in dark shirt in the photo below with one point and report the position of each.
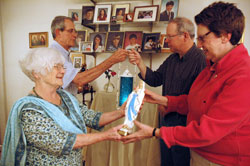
(64, 34)
(176, 75)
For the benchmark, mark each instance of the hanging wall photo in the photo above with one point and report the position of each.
(114, 41)
(133, 40)
(150, 41)
(76, 15)
(87, 14)
(119, 11)
(38, 39)
(145, 13)
(98, 39)
(168, 9)
(102, 13)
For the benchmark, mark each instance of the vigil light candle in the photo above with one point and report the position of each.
(126, 86)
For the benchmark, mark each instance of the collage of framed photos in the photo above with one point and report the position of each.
(106, 13)
(104, 41)
(112, 41)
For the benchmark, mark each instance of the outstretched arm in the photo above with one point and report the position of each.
(91, 74)
(154, 98)
(135, 58)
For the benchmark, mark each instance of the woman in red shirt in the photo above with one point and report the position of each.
(218, 104)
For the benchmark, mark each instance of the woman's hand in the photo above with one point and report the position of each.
(134, 57)
(154, 98)
(112, 134)
(144, 132)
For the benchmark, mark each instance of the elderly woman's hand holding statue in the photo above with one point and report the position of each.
(48, 126)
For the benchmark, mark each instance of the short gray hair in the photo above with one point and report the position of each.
(184, 25)
(58, 23)
(40, 60)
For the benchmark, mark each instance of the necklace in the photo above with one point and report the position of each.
(66, 111)
(33, 89)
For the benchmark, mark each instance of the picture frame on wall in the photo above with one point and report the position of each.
(133, 40)
(102, 14)
(81, 37)
(38, 39)
(145, 13)
(164, 43)
(168, 10)
(87, 14)
(119, 11)
(99, 41)
(114, 41)
(87, 46)
(78, 60)
(150, 41)
(76, 15)
(128, 17)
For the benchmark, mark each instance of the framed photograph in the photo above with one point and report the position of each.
(81, 36)
(168, 9)
(164, 43)
(102, 13)
(98, 39)
(87, 14)
(87, 46)
(114, 41)
(119, 10)
(38, 39)
(133, 40)
(150, 41)
(145, 13)
(128, 17)
(78, 60)
(76, 15)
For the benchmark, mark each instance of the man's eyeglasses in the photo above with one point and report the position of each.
(70, 30)
(202, 38)
(171, 36)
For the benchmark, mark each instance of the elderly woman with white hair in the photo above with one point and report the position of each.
(48, 126)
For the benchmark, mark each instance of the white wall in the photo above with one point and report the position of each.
(20, 17)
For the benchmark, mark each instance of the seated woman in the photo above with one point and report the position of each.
(217, 106)
(48, 127)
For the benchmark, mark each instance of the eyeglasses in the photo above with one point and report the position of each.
(59, 67)
(172, 36)
(71, 30)
(202, 38)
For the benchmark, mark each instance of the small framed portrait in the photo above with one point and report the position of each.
(78, 60)
(119, 10)
(145, 13)
(38, 39)
(87, 46)
(102, 13)
(128, 17)
(76, 15)
(81, 36)
(168, 9)
(133, 40)
(164, 43)
(98, 39)
(150, 41)
(87, 14)
(114, 41)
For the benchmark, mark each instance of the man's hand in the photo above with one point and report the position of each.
(134, 57)
(119, 56)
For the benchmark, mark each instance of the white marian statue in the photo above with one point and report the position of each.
(132, 108)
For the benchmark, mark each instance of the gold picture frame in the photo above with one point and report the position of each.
(78, 60)
(38, 39)
(164, 45)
